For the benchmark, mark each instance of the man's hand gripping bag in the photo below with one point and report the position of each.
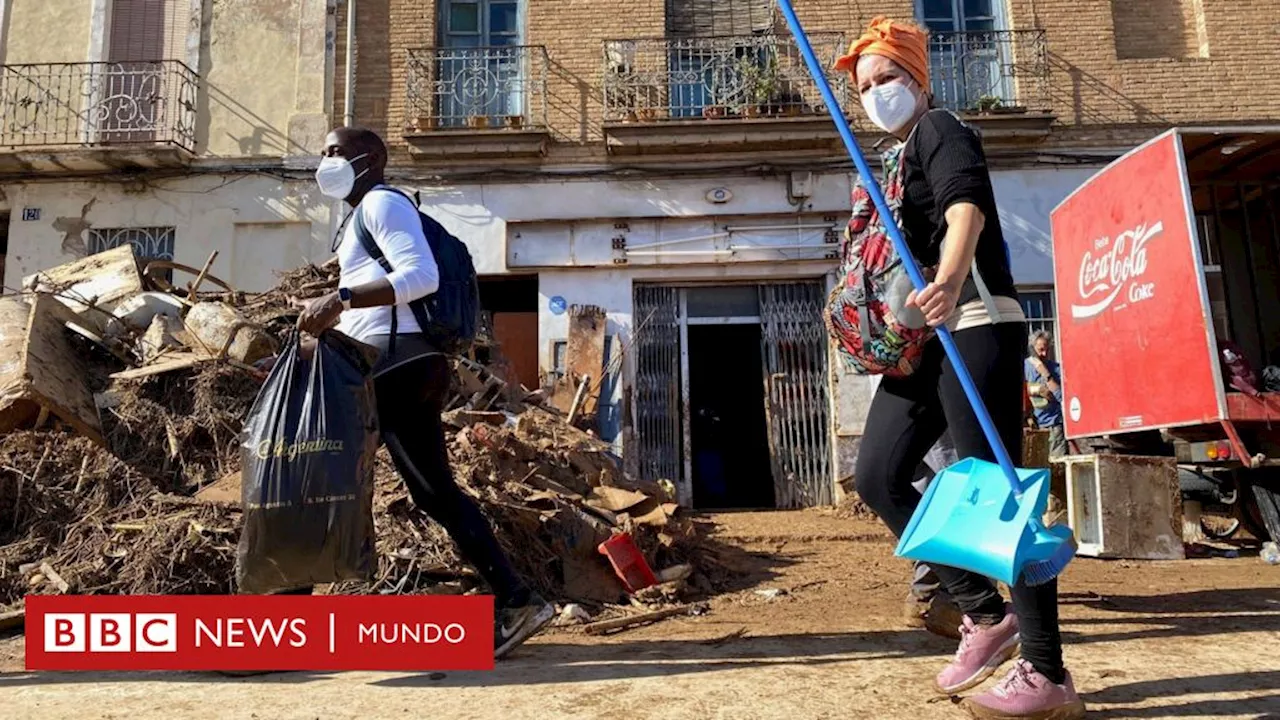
(308, 454)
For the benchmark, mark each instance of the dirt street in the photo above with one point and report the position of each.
(1192, 639)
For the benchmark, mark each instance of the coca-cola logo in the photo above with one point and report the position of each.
(1111, 266)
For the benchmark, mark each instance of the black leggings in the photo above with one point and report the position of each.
(908, 415)
(410, 399)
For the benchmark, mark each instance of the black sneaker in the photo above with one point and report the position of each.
(518, 623)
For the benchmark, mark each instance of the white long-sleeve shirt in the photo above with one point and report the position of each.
(393, 222)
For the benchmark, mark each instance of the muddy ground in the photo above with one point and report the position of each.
(1191, 639)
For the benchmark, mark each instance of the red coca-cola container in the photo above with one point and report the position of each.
(628, 562)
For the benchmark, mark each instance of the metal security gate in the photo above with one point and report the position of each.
(795, 360)
(657, 387)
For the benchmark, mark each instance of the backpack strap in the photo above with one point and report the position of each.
(372, 249)
(984, 293)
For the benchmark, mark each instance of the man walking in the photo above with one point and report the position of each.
(412, 377)
(1044, 385)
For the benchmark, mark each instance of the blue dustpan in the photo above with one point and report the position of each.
(971, 518)
(975, 515)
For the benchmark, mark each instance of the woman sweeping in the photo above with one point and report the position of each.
(937, 183)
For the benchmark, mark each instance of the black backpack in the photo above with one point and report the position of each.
(450, 316)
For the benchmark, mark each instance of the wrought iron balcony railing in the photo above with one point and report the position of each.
(990, 71)
(715, 77)
(487, 87)
(98, 104)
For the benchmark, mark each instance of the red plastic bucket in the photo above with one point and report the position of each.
(628, 562)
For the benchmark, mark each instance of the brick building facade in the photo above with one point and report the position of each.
(1113, 71)
(670, 161)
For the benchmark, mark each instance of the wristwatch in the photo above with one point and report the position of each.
(344, 294)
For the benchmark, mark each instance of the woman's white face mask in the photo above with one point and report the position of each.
(891, 105)
(337, 177)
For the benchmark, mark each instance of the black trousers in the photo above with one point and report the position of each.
(410, 400)
(908, 415)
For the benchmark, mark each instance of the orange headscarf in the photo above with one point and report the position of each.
(903, 43)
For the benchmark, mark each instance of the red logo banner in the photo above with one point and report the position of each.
(259, 632)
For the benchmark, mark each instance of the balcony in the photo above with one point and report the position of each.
(68, 117)
(999, 80)
(674, 96)
(477, 102)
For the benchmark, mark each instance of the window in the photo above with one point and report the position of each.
(718, 18)
(968, 56)
(150, 243)
(1037, 305)
(1160, 29)
(481, 67)
(134, 83)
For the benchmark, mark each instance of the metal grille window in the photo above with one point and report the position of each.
(975, 62)
(149, 243)
(1037, 305)
(481, 71)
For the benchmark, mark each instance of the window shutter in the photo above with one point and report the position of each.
(708, 18)
(146, 30)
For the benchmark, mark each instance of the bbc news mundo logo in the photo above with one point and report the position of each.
(110, 632)
(259, 632)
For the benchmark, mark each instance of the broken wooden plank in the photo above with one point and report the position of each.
(92, 286)
(204, 271)
(579, 399)
(173, 361)
(624, 623)
(47, 570)
(40, 372)
(465, 418)
(12, 619)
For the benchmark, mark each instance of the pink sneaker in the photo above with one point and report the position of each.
(983, 649)
(1026, 694)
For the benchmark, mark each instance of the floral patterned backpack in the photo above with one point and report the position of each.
(867, 314)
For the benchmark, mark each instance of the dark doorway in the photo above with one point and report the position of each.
(729, 438)
(510, 303)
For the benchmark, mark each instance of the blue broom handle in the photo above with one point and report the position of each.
(908, 260)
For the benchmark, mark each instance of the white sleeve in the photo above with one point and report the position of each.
(395, 226)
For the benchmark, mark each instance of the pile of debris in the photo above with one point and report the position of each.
(121, 406)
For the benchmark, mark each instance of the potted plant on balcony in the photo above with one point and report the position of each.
(986, 104)
(477, 122)
(515, 122)
(764, 89)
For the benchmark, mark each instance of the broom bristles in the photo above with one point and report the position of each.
(1044, 571)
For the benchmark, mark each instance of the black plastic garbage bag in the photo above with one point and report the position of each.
(308, 452)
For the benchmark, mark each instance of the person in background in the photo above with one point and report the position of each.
(951, 224)
(1044, 385)
(928, 604)
(412, 378)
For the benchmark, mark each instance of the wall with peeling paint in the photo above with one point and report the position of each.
(268, 85)
(258, 225)
(34, 25)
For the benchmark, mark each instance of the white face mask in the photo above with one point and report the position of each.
(890, 106)
(336, 176)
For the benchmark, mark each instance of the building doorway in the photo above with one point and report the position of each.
(730, 394)
(728, 429)
(510, 307)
